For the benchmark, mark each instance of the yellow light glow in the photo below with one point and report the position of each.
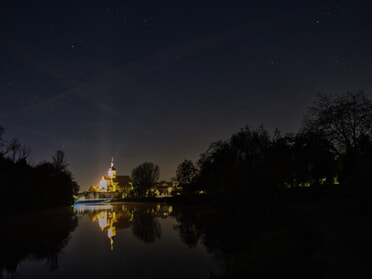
(102, 219)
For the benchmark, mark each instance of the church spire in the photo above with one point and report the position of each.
(112, 170)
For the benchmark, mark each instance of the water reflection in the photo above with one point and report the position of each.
(255, 243)
(40, 236)
(155, 241)
(140, 218)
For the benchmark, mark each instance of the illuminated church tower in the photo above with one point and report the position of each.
(112, 170)
(111, 182)
(112, 174)
(108, 182)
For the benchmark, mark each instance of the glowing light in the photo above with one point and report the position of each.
(102, 219)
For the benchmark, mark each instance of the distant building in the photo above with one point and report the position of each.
(122, 185)
(165, 189)
(112, 182)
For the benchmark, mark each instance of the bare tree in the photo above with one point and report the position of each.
(13, 148)
(2, 144)
(24, 153)
(345, 119)
(59, 161)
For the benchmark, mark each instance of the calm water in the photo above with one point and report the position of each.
(103, 241)
(157, 241)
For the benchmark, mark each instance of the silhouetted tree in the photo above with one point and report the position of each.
(15, 150)
(249, 149)
(2, 144)
(144, 177)
(54, 188)
(41, 186)
(346, 122)
(343, 119)
(59, 161)
(279, 161)
(236, 167)
(185, 174)
(313, 160)
(356, 169)
(212, 168)
(13, 147)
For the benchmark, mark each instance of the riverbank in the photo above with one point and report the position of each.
(193, 200)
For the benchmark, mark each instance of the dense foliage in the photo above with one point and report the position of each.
(47, 184)
(144, 177)
(333, 147)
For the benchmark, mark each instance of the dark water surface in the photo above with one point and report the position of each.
(127, 240)
(101, 241)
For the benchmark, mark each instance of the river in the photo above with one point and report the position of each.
(101, 241)
(155, 240)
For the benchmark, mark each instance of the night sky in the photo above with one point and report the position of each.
(159, 81)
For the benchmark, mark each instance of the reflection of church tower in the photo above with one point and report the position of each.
(106, 221)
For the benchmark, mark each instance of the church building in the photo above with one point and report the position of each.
(114, 183)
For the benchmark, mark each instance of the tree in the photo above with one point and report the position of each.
(185, 175)
(48, 184)
(13, 148)
(236, 167)
(313, 160)
(212, 166)
(278, 160)
(144, 177)
(59, 161)
(344, 119)
(186, 172)
(16, 151)
(346, 122)
(2, 144)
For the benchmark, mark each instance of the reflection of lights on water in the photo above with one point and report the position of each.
(102, 219)
(86, 208)
(106, 221)
(111, 232)
(107, 215)
(163, 210)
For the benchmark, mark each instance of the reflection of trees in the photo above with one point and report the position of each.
(40, 236)
(109, 218)
(141, 218)
(145, 226)
(250, 243)
(189, 227)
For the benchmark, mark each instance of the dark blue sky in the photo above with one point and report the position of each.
(160, 80)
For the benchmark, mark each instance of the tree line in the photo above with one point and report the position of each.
(333, 147)
(44, 185)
